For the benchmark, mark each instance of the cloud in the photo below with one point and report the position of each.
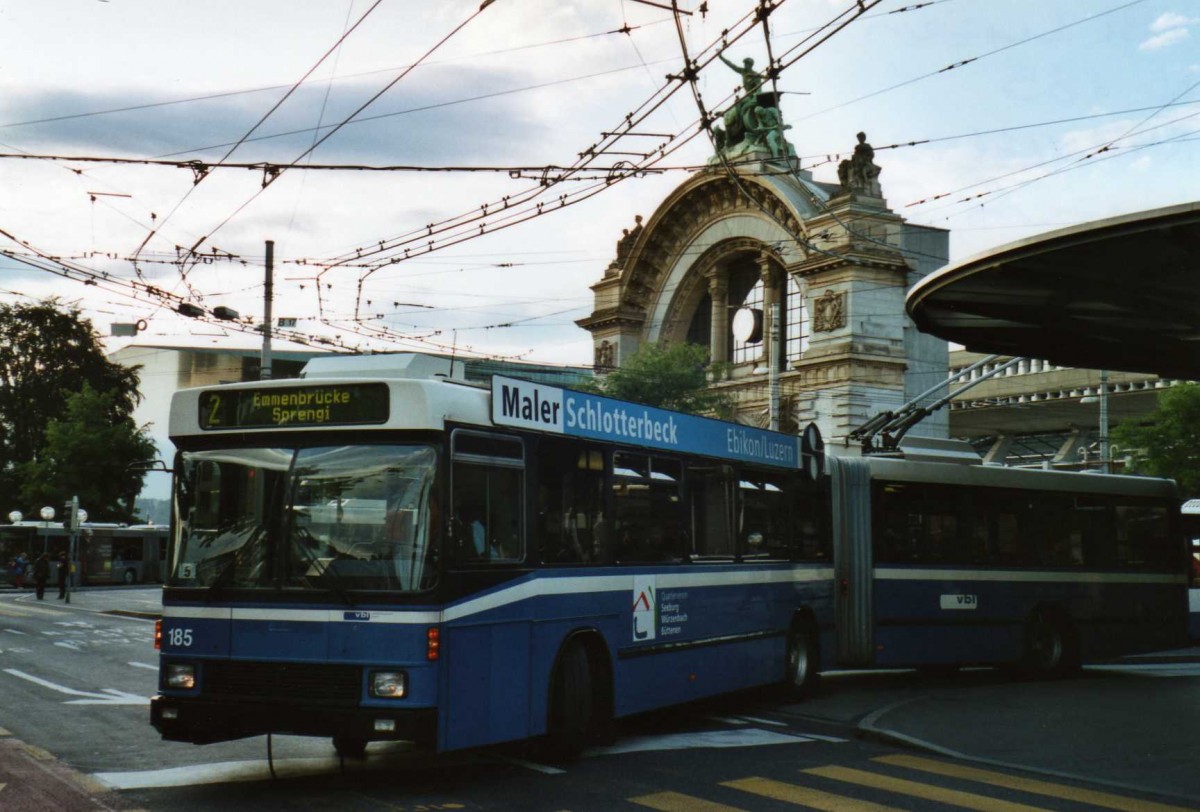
(407, 125)
(1169, 20)
(1169, 28)
(1165, 39)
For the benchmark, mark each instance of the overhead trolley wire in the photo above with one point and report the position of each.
(269, 179)
(202, 171)
(971, 60)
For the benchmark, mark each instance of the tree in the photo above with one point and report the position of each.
(672, 377)
(47, 352)
(1167, 442)
(87, 454)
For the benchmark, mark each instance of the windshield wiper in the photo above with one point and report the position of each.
(330, 578)
(236, 558)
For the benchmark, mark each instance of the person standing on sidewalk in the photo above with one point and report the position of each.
(41, 574)
(20, 566)
(63, 568)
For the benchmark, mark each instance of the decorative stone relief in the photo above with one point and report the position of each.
(829, 312)
(605, 357)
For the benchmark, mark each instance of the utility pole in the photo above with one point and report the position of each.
(1104, 462)
(776, 358)
(73, 525)
(264, 372)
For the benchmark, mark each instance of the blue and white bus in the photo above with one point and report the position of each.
(1190, 514)
(365, 557)
(369, 558)
(942, 564)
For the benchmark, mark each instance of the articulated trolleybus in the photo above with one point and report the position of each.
(366, 558)
(943, 562)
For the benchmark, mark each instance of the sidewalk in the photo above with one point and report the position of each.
(33, 780)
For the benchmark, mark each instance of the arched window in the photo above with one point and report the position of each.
(794, 309)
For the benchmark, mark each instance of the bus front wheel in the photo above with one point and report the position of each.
(350, 747)
(571, 705)
(1051, 649)
(800, 678)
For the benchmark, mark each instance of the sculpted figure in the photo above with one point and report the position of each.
(858, 173)
(768, 128)
(752, 80)
(628, 238)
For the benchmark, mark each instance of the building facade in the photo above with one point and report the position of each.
(796, 286)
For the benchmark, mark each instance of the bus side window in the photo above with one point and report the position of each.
(648, 508)
(488, 498)
(708, 491)
(570, 504)
(487, 514)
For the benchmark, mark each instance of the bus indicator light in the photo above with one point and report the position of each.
(433, 643)
(158, 635)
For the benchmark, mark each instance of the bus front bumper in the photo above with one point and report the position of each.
(203, 722)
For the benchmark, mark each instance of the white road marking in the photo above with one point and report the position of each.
(14, 631)
(759, 721)
(1152, 669)
(109, 696)
(546, 769)
(741, 737)
(145, 665)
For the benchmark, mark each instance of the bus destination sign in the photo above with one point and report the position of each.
(347, 404)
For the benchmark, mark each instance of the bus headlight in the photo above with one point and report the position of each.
(181, 676)
(388, 684)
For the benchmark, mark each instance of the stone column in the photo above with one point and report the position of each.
(718, 289)
(770, 276)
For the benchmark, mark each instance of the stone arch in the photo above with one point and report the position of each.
(704, 222)
(806, 239)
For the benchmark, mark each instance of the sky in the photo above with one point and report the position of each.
(995, 120)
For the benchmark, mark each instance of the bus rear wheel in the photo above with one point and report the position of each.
(800, 676)
(571, 707)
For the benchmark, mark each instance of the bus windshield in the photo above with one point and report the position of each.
(328, 518)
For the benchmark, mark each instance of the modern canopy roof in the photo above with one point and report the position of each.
(1121, 293)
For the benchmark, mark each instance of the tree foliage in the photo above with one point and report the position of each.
(1167, 442)
(48, 352)
(87, 454)
(671, 377)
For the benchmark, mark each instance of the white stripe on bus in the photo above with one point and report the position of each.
(1032, 576)
(525, 590)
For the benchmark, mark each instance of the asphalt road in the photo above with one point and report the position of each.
(75, 682)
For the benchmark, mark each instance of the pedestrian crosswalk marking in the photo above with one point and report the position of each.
(804, 796)
(1104, 800)
(678, 802)
(915, 789)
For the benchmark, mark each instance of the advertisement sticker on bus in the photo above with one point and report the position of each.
(527, 405)
(645, 609)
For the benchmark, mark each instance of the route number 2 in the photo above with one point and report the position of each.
(179, 638)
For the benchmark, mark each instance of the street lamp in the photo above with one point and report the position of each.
(15, 517)
(47, 514)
